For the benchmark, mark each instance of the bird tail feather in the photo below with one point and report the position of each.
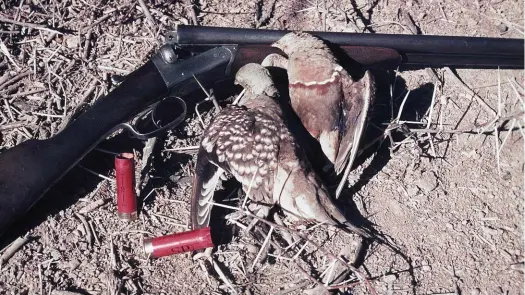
(205, 180)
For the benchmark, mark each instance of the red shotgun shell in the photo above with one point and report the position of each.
(179, 242)
(126, 198)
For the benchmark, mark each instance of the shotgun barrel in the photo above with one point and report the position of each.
(415, 50)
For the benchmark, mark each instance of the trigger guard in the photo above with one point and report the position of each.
(176, 121)
(144, 136)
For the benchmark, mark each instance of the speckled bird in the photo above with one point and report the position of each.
(332, 106)
(253, 143)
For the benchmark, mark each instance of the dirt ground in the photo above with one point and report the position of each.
(452, 203)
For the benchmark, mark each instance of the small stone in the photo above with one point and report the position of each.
(220, 258)
(426, 268)
(507, 176)
(252, 248)
(72, 42)
(390, 278)
(412, 191)
(502, 28)
(55, 254)
(428, 181)
(476, 291)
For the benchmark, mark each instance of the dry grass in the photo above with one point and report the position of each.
(59, 57)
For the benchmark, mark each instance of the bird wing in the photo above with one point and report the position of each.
(205, 180)
(358, 95)
(244, 142)
(302, 195)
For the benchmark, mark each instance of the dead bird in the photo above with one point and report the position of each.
(332, 106)
(252, 142)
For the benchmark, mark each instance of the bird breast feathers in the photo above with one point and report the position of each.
(313, 71)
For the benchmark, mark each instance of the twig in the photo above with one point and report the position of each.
(12, 126)
(146, 12)
(97, 174)
(98, 21)
(238, 98)
(92, 206)
(25, 93)
(40, 280)
(300, 251)
(470, 92)
(496, 138)
(146, 157)
(330, 273)
(87, 229)
(408, 22)
(57, 292)
(113, 253)
(324, 15)
(250, 186)
(518, 96)
(4, 50)
(209, 96)
(87, 42)
(263, 246)
(349, 285)
(513, 124)
(29, 25)
(222, 275)
(12, 249)
(113, 69)
(523, 168)
(294, 288)
(191, 11)
(430, 121)
(401, 107)
(47, 115)
(15, 79)
(94, 232)
(183, 149)
(78, 108)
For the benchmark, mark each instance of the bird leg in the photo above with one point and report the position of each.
(284, 234)
(259, 211)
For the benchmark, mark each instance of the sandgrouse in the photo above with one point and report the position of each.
(330, 104)
(253, 143)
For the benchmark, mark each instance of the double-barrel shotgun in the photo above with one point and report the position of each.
(206, 55)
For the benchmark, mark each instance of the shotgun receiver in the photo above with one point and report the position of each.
(210, 54)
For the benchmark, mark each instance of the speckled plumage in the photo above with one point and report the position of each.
(331, 105)
(253, 143)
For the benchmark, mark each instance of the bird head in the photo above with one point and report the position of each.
(299, 41)
(256, 79)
